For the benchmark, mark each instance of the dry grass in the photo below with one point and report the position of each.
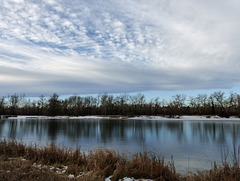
(21, 162)
(95, 165)
(21, 170)
(218, 173)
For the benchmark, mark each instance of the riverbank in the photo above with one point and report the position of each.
(20, 162)
(181, 118)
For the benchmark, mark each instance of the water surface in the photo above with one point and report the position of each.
(193, 144)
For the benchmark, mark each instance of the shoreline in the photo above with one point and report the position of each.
(21, 162)
(142, 117)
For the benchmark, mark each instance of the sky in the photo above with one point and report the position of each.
(109, 46)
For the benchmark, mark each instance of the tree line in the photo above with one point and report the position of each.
(216, 103)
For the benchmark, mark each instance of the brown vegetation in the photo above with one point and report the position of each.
(218, 173)
(20, 162)
(95, 165)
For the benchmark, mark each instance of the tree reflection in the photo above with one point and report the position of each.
(125, 131)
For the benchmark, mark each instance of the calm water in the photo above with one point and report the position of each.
(193, 144)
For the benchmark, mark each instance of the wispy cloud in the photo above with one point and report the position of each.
(118, 46)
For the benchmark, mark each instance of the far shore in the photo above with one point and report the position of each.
(143, 117)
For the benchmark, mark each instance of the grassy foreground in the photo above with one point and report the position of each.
(21, 162)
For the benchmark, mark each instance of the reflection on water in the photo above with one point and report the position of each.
(194, 144)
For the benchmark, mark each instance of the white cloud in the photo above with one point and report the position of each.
(17, 1)
(125, 45)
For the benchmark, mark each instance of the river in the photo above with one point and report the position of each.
(194, 145)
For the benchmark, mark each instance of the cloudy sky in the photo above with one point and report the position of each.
(97, 46)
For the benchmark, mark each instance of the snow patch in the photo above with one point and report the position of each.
(185, 118)
(71, 176)
(57, 117)
(127, 179)
(181, 118)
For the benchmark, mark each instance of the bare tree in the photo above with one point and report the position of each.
(179, 100)
(54, 105)
(202, 102)
(193, 103)
(219, 97)
(238, 105)
(14, 103)
(41, 104)
(232, 104)
(2, 105)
